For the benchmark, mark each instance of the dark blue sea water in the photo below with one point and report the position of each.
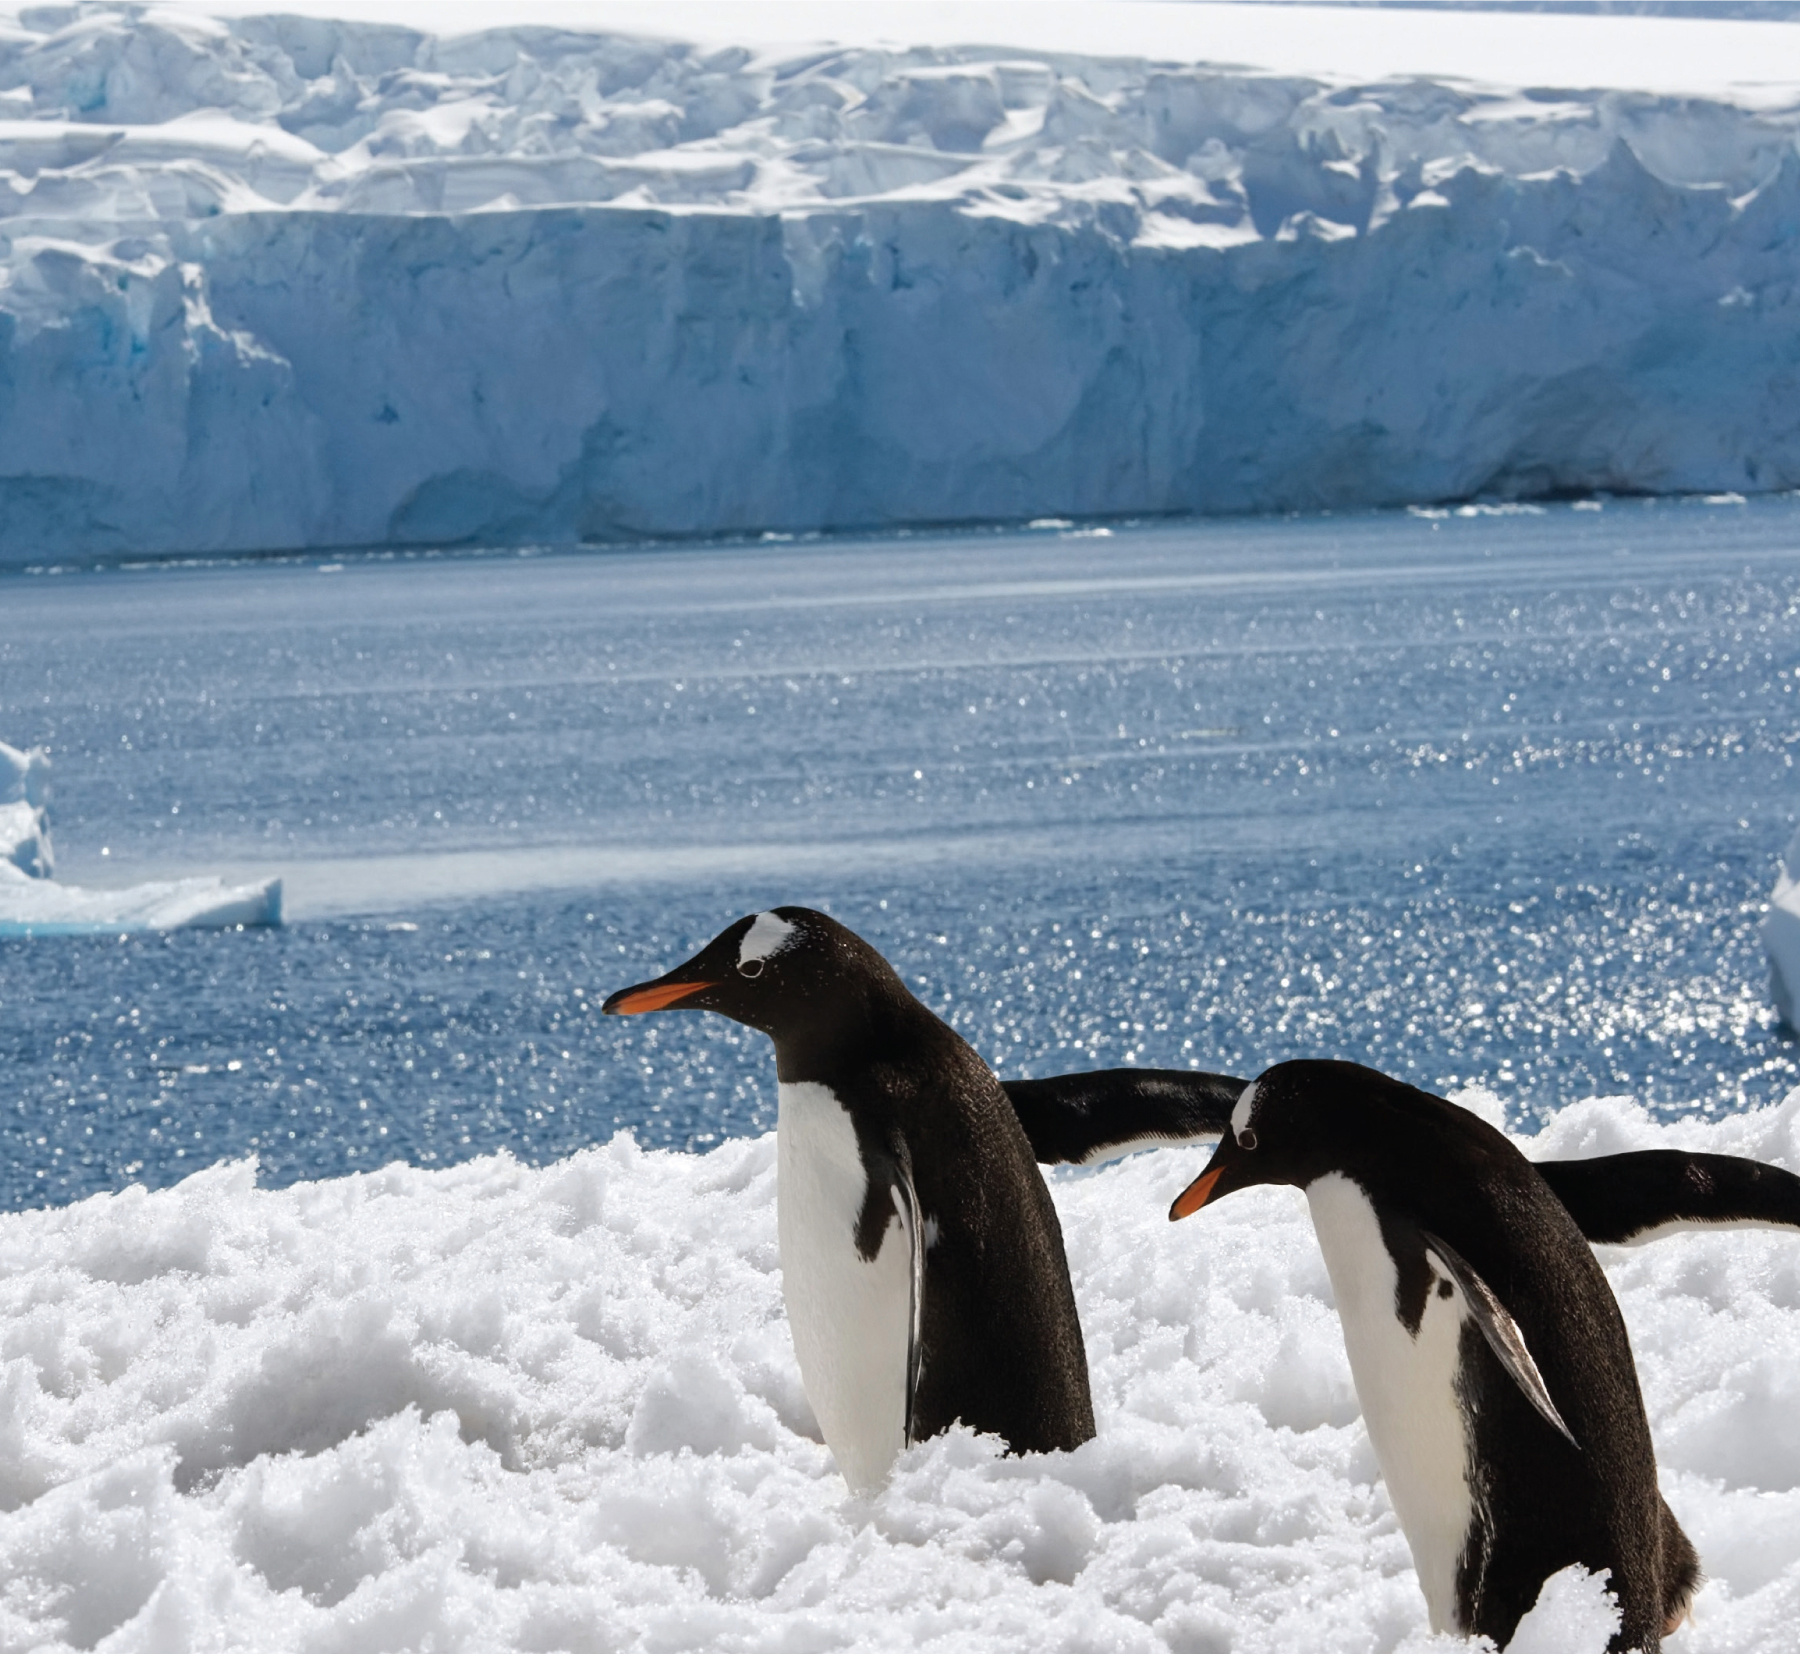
(1488, 798)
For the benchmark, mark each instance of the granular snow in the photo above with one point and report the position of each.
(503, 1408)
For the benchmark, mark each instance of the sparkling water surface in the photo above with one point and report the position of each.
(1491, 797)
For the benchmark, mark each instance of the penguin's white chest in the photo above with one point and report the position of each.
(851, 1316)
(1407, 1387)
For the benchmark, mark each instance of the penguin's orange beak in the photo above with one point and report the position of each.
(1229, 1169)
(650, 996)
(1196, 1194)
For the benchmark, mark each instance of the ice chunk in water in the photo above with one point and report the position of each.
(1781, 935)
(42, 907)
(25, 810)
(33, 904)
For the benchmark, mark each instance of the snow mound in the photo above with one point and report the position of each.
(509, 1408)
(1574, 1610)
(280, 282)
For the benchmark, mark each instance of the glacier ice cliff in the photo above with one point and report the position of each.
(280, 282)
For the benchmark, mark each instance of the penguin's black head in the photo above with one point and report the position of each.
(787, 972)
(1300, 1120)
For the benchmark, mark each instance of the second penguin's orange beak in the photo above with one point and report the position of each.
(1196, 1194)
(652, 996)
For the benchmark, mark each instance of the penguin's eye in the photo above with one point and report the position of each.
(750, 967)
(1246, 1138)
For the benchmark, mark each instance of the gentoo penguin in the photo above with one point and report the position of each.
(1620, 1199)
(921, 1258)
(1488, 1352)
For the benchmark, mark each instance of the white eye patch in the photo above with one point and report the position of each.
(764, 939)
(1240, 1114)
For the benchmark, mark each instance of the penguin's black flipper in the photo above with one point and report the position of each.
(1625, 1198)
(1085, 1119)
(1500, 1330)
(906, 1203)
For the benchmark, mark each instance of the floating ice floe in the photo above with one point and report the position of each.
(502, 1408)
(1781, 935)
(32, 903)
(24, 812)
(41, 907)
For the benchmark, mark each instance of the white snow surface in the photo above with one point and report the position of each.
(494, 1407)
(284, 281)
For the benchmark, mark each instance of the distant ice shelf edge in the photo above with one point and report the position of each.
(32, 903)
(279, 283)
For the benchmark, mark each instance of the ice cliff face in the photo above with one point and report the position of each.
(282, 282)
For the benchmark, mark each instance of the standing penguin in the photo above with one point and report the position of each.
(921, 1259)
(1488, 1352)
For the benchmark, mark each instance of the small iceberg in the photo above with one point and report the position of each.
(33, 904)
(1781, 935)
(24, 812)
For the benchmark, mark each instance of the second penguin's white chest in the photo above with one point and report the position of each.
(1407, 1386)
(851, 1316)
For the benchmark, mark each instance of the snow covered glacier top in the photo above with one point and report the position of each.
(114, 114)
(287, 281)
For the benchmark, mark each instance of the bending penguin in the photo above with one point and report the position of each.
(921, 1258)
(1615, 1199)
(1489, 1355)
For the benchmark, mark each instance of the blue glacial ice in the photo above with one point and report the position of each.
(32, 903)
(282, 282)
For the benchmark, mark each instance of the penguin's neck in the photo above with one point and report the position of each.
(849, 1034)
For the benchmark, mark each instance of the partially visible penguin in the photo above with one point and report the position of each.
(1618, 1199)
(1489, 1355)
(921, 1258)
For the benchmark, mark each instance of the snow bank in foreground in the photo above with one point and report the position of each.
(493, 1407)
(283, 282)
